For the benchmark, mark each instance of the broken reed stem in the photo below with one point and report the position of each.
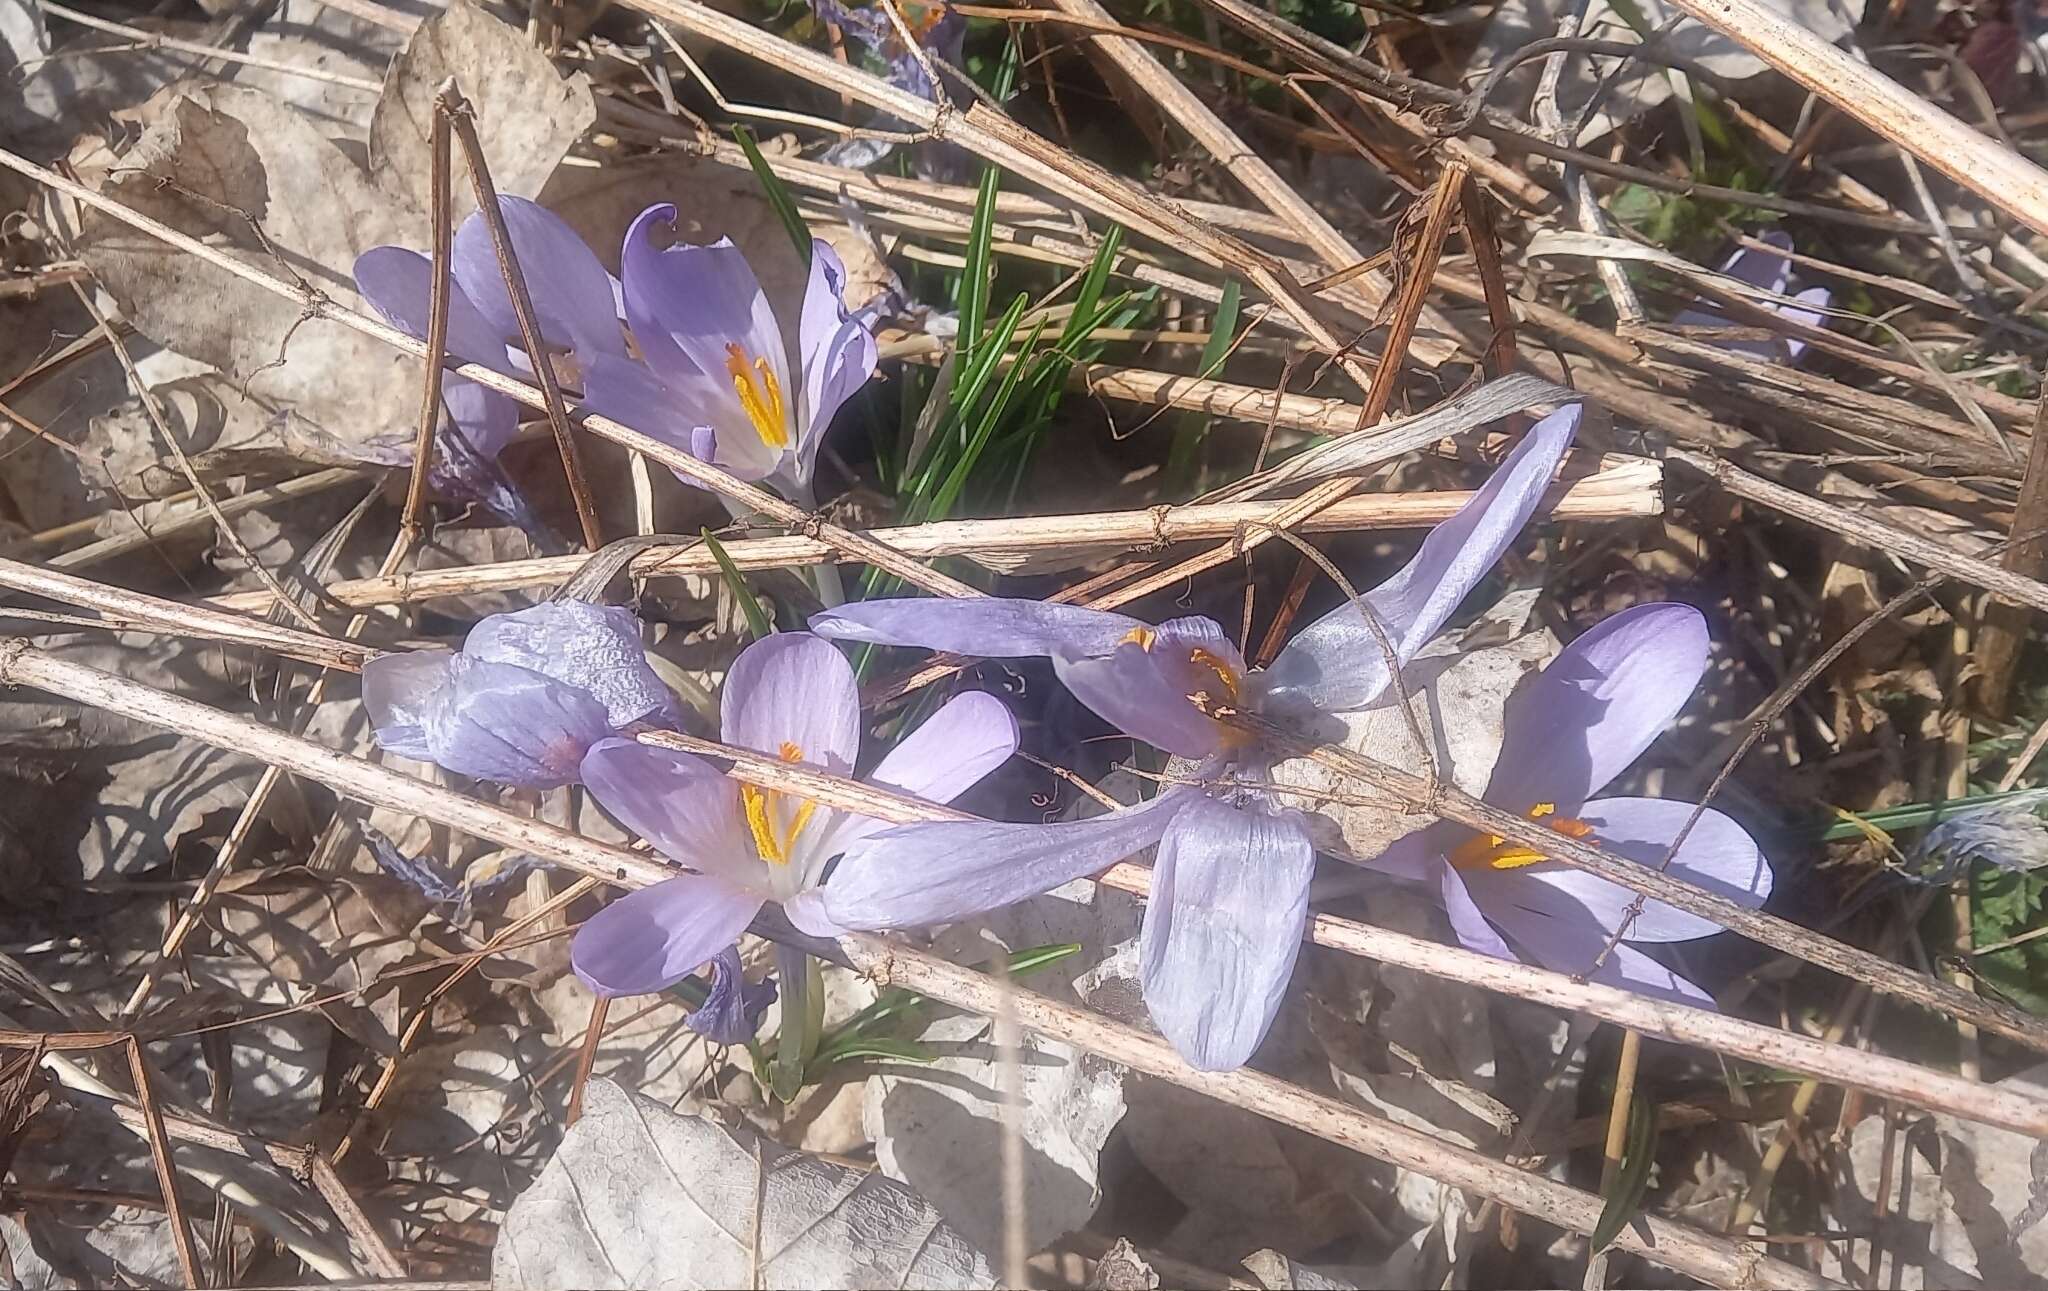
(379, 786)
(702, 474)
(2004, 178)
(449, 105)
(189, 620)
(166, 1172)
(1716, 1260)
(442, 204)
(1453, 804)
(1625, 490)
(1875, 534)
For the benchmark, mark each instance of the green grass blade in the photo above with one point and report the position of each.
(1182, 458)
(1638, 1154)
(975, 281)
(778, 194)
(758, 621)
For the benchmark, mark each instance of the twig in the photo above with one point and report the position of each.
(441, 202)
(154, 40)
(2004, 629)
(166, 1173)
(449, 105)
(1626, 490)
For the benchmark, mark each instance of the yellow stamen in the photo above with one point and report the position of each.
(1142, 635)
(1493, 852)
(761, 398)
(1226, 676)
(760, 805)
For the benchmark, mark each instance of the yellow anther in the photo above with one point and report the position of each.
(1226, 676)
(1493, 852)
(760, 395)
(761, 806)
(1142, 635)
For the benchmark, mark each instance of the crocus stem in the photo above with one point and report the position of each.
(799, 1030)
(831, 590)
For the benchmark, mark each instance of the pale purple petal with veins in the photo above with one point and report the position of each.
(1597, 706)
(1717, 855)
(1468, 918)
(969, 737)
(399, 284)
(836, 351)
(651, 939)
(1337, 663)
(914, 875)
(686, 808)
(1574, 946)
(593, 647)
(1223, 928)
(403, 691)
(627, 392)
(991, 627)
(570, 290)
(512, 725)
(1143, 686)
(793, 690)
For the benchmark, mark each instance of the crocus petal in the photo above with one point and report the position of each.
(1718, 855)
(488, 420)
(837, 352)
(1769, 270)
(732, 1009)
(1468, 919)
(649, 940)
(1574, 945)
(679, 803)
(1143, 685)
(1597, 706)
(399, 284)
(914, 875)
(1816, 300)
(513, 725)
(402, 691)
(1413, 857)
(991, 627)
(792, 695)
(594, 647)
(969, 737)
(703, 322)
(1223, 927)
(569, 288)
(627, 392)
(1336, 664)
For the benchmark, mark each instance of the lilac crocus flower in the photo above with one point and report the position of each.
(1577, 725)
(1230, 882)
(791, 695)
(1773, 273)
(524, 699)
(718, 380)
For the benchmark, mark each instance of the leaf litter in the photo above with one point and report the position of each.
(404, 997)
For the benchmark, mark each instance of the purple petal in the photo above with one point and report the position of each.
(991, 627)
(1717, 855)
(1468, 920)
(1574, 945)
(1143, 685)
(969, 737)
(837, 352)
(487, 419)
(399, 284)
(513, 725)
(1768, 270)
(1336, 664)
(402, 692)
(915, 875)
(793, 696)
(1818, 299)
(1597, 706)
(1413, 857)
(679, 803)
(1223, 927)
(649, 940)
(624, 390)
(570, 290)
(697, 311)
(732, 1009)
(593, 647)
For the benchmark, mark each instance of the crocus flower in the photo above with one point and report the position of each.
(1772, 273)
(1576, 726)
(732, 1010)
(523, 700)
(1230, 883)
(718, 381)
(791, 695)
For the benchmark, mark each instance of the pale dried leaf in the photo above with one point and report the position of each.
(638, 1196)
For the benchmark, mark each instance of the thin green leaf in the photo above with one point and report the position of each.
(975, 277)
(1638, 1154)
(758, 621)
(1032, 958)
(778, 194)
(875, 1047)
(1185, 453)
